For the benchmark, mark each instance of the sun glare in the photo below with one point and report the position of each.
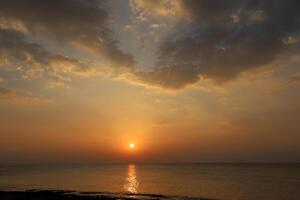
(131, 146)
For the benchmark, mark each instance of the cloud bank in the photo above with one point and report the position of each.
(84, 24)
(222, 39)
(212, 40)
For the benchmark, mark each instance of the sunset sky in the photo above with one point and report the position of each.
(183, 80)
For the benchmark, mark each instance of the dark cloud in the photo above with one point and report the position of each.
(224, 39)
(205, 9)
(80, 22)
(33, 59)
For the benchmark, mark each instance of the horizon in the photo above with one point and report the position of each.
(84, 164)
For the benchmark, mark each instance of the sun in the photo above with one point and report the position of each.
(131, 145)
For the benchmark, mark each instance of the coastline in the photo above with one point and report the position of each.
(74, 195)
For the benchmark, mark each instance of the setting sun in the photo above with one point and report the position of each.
(131, 146)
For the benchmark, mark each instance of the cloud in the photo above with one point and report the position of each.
(144, 9)
(4, 91)
(214, 45)
(214, 41)
(16, 25)
(157, 26)
(78, 22)
(85, 71)
(58, 84)
(31, 58)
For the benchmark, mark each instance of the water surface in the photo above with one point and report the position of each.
(221, 181)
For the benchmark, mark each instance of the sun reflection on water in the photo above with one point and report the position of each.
(132, 183)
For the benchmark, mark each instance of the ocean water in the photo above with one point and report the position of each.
(219, 181)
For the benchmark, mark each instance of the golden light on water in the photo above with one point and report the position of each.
(131, 185)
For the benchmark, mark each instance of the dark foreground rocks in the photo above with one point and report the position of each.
(71, 195)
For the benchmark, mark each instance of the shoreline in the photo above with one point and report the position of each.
(74, 195)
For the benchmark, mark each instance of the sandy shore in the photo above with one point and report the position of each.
(71, 195)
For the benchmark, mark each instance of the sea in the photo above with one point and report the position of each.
(240, 181)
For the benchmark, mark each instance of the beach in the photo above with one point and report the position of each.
(72, 195)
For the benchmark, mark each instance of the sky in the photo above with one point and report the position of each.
(184, 80)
